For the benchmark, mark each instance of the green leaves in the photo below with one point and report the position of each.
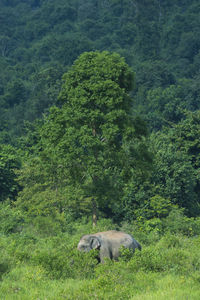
(91, 132)
(9, 162)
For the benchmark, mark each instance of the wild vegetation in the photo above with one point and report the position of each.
(99, 126)
(41, 261)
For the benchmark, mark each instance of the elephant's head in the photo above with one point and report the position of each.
(89, 242)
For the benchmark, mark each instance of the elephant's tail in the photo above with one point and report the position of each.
(139, 246)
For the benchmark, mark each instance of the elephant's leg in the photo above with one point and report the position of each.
(105, 253)
(115, 253)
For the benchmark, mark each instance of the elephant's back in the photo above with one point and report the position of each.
(115, 235)
(114, 238)
(111, 234)
(123, 238)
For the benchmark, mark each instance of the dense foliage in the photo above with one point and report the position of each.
(99, 117)
(39, 40)
(9, 162)
(92, 151)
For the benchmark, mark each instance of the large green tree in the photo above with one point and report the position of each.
(92, 136)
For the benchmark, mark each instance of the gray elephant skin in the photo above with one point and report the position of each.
(108, 243)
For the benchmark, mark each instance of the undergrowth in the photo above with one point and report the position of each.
(34, 265)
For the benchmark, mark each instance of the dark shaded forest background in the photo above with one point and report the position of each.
(160, 41)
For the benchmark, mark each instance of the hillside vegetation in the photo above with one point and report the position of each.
(99, 130)
(39, 40)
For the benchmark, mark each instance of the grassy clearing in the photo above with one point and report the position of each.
(171, 287)
(25, 282)
(34, 266)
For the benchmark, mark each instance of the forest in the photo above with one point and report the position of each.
(99, 130)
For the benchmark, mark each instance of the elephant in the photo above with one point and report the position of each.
(108, 243)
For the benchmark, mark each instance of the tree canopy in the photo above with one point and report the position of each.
(93, 138)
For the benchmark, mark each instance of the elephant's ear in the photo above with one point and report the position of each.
(95, 242)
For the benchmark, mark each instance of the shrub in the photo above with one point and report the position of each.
(171, 254)
(4, 268)
(177, 222)
(11, 219)
(62, 260)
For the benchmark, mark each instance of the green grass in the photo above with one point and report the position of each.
(26, 282)
(34, 266)
(171, 287)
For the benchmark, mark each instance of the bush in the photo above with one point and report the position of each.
(46, 225)
(144, 231)
(4, 268)
(7, 260)
(170, 254)
(177, 222)
(60, 258)
(65, 262)
(11, 219)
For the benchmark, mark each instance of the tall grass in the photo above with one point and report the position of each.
(34, 265)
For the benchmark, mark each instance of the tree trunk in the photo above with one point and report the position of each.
(94, 213)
